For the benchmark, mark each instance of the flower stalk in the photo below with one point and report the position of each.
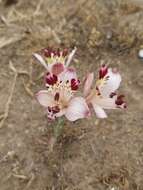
(58, 126)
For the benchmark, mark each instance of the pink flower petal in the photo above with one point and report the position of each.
(45, 98)
(57, 68)
(88, 83)
(105, 103)
(68, 75)
(100, 113)
(77, 109)
(41, 60)
(65, 95)
(111, 84)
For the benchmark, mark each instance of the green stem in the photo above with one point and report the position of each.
(58, 127)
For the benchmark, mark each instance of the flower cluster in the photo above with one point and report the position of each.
(61, 83)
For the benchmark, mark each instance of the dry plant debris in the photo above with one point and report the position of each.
(4, 116)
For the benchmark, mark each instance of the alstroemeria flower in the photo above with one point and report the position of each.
(103, 95)
(55, 61)
(59, 97)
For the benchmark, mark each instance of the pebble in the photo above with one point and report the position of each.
(109, 35)
(140, 54)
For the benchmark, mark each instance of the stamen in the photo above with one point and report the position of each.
(49, 52)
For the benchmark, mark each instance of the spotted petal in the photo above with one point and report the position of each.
(111, 103)
(105, 103)
(110, 83)
(68, 75)
(77, 109)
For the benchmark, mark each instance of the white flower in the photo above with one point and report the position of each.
(103, 94)
(55, 61)
(59, 98)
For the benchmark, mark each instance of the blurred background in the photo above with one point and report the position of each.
(91, 154)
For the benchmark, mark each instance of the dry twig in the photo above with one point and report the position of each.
(30, 181)
(6, 112)
(4, 116)
(4, 20)
(40, 76)
(37, 11)
(27, 89)
(20, 176)
(4, 42)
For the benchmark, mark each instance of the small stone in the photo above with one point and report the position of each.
(140, 54)
(104, 137)
(11, 154)
(109, 35)
(97, 122)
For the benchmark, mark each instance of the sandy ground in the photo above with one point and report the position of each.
(91, 154)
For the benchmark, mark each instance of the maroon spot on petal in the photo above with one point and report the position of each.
(112, 94)
(107, 78)
(55, 109)
(49, 109)
(74, 84)
(51, 114)
(50, 79)
(57, 96)
(125, 105)
(119, 101)
(57, 68)
(103, 71)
